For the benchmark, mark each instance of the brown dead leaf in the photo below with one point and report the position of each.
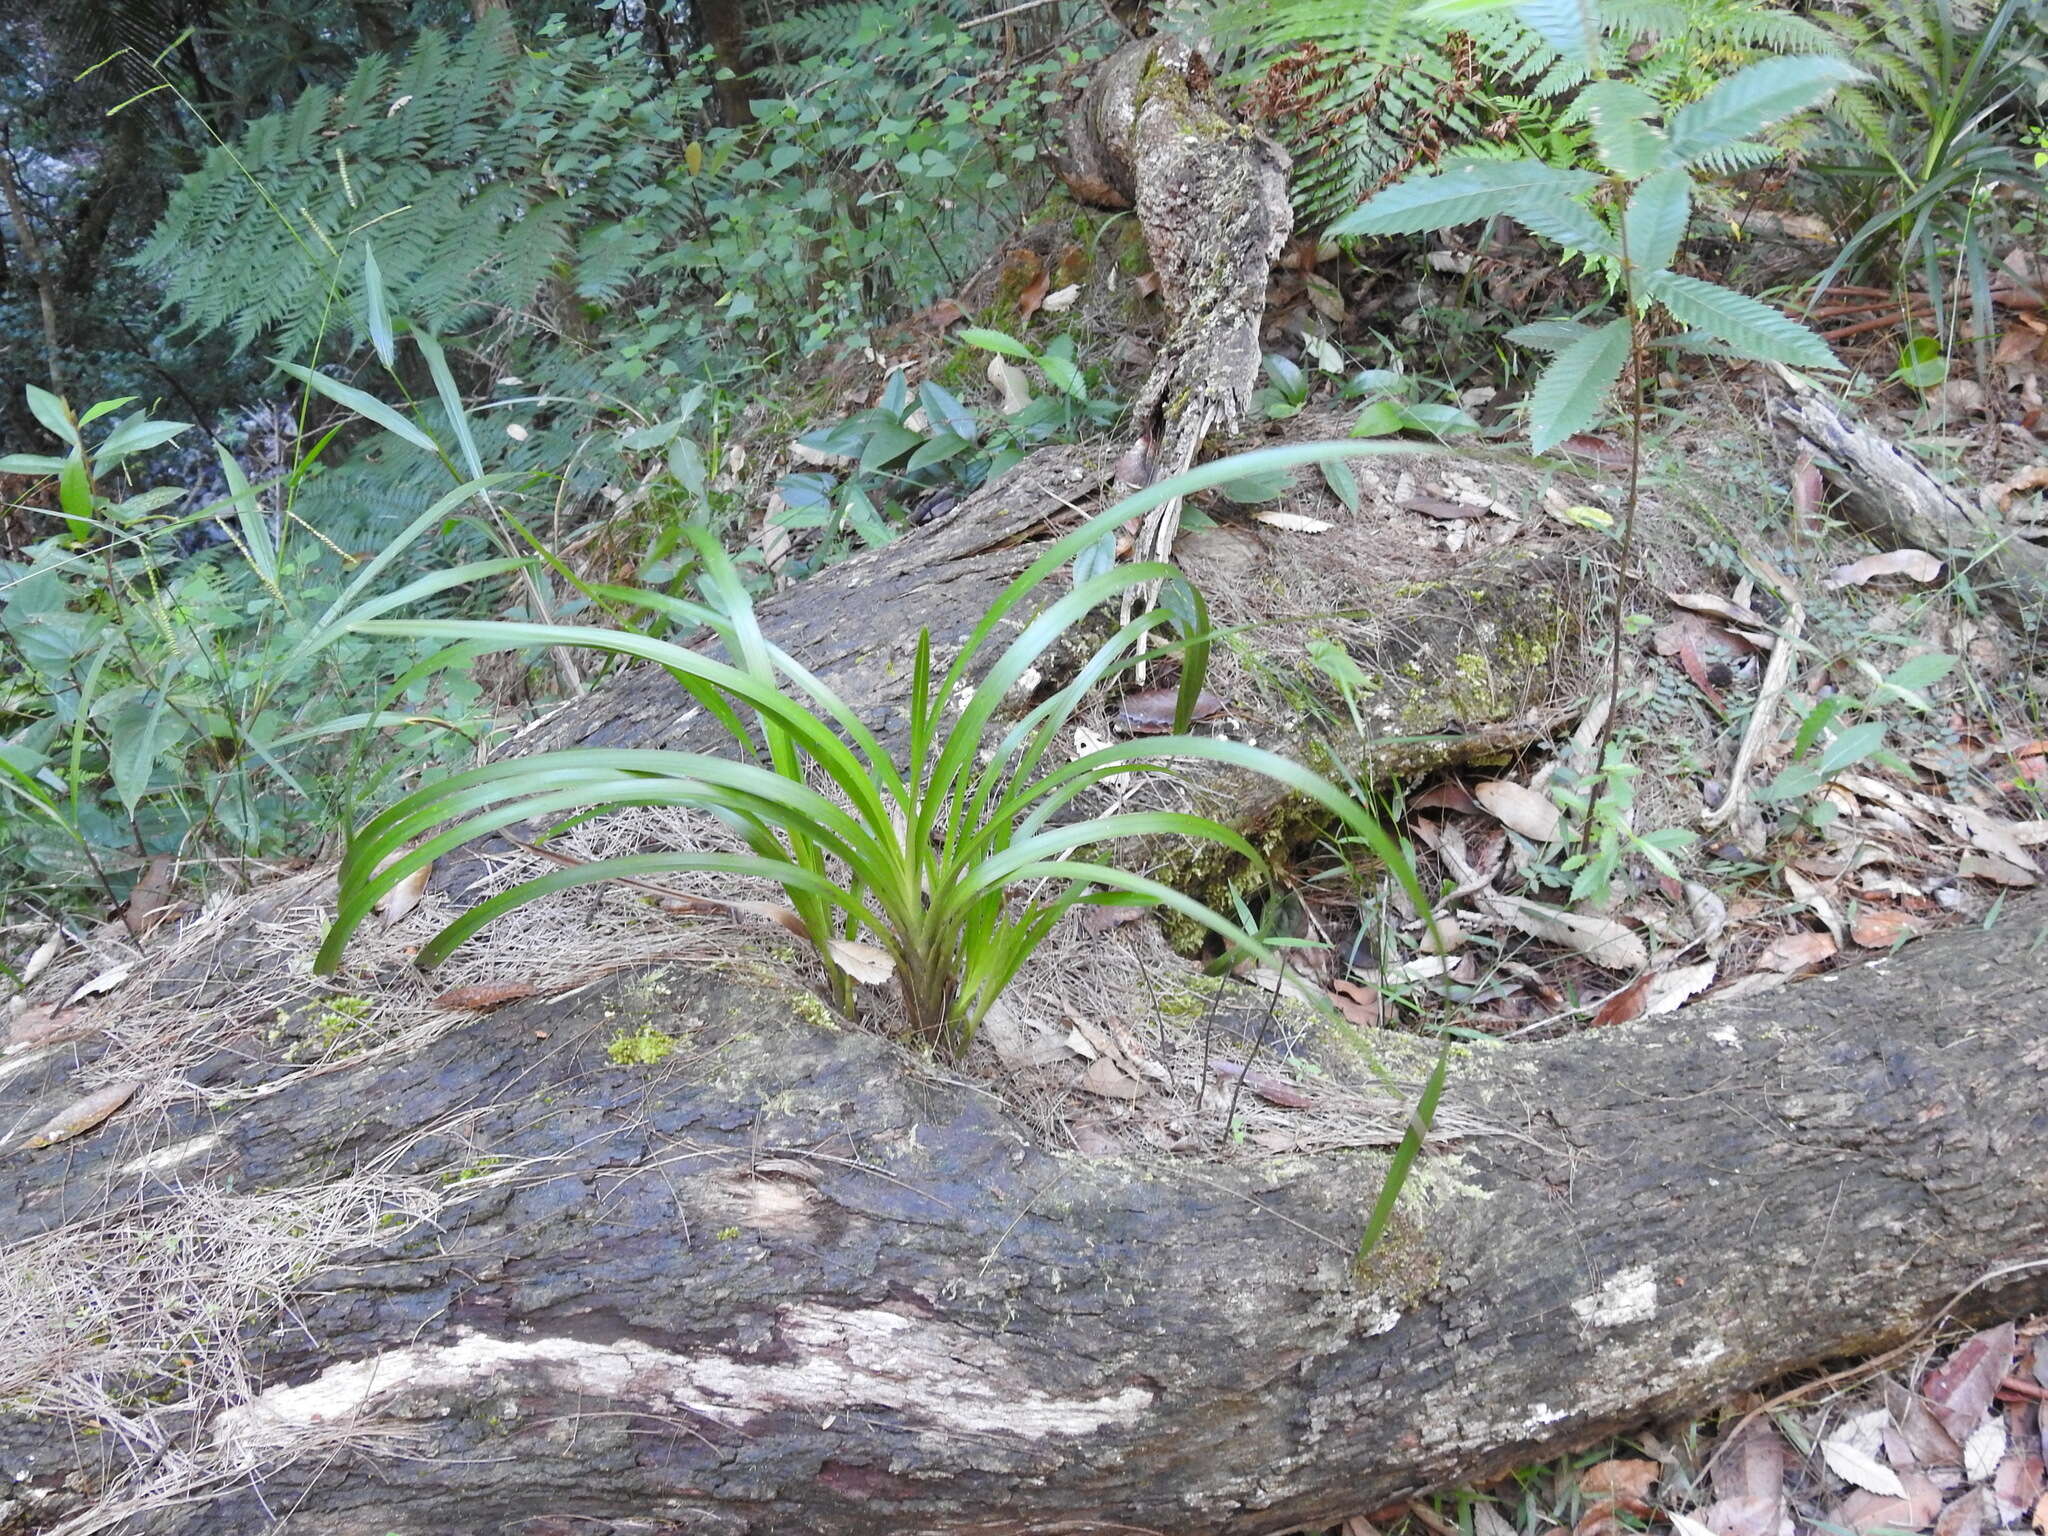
(1623, 1006)
(2032, 478)
(1444, 795)
(1600, 1519)
(395, 904)
(1359, 1005)
(1607, 943)
(1669, 991)
(1628, 1480)
(1913, 564)
(1964, 1517)
(86, 1114)
(106, 981)
(1961, 1389)
(2018, 1484)
(1016, 1044)
(1719, 608)
(1791, 953)
(1110, 1081)
(1443, 511)
(1102, 919)
(1520, 809)
(1149, 711)
(1809, 491)
(484, 995)
(46, 1026)
(1989, 867)
(1272, 1089)
(150, 893)
(863, 962)
(1882, 927)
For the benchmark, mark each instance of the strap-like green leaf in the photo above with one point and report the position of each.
(1766, 92)
(1753, 329)
(1570, 392)
(1656, 219)
(369, 407)
(451, 397)
(377, 309)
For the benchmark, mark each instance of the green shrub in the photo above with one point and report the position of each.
(917, 866)
(156, 701)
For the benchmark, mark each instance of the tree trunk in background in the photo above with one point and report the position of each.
(725, 29)
(790, 1282)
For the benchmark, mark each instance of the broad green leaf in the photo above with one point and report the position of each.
(1063, 376)
(945, 412)
(1921, 363)
(888, 444)
(686, 463)
(135, 737)
(1249, 490)
(105, 408)
(377, 309)
(1342, 482)
(1754, 329)
(74, 497)
(1572, 225)
(1766, 92)
(369, 407)
(136, 435)
(1572, 27)
(30, 464)
(1851, 747)
(997, 341)
(451, 397)
(51, 412)
(1922, 671)
(1475, 189)
(1571, 391)
(1655, 221)
(1627, 141)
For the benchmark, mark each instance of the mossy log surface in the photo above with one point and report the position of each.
(786, 1281)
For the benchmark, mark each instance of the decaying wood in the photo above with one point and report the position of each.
(1211, 199)
(790, 1282)
(1894, 498)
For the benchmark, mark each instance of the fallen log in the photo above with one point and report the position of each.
(789, 1280)
(1895, 500)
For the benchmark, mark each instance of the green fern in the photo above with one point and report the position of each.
(1363, 91)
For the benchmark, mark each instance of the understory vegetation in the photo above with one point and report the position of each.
(385, 382)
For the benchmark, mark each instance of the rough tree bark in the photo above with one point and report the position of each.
(1211, 198)
(791, 1283)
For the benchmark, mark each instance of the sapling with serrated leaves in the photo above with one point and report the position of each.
(922, 861)
(1629, 223)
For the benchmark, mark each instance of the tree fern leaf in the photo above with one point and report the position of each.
(1656, 218)
(1751, 328)
(1471, 190)
(1571, 390)
(1755, 97)
(1572, 27)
